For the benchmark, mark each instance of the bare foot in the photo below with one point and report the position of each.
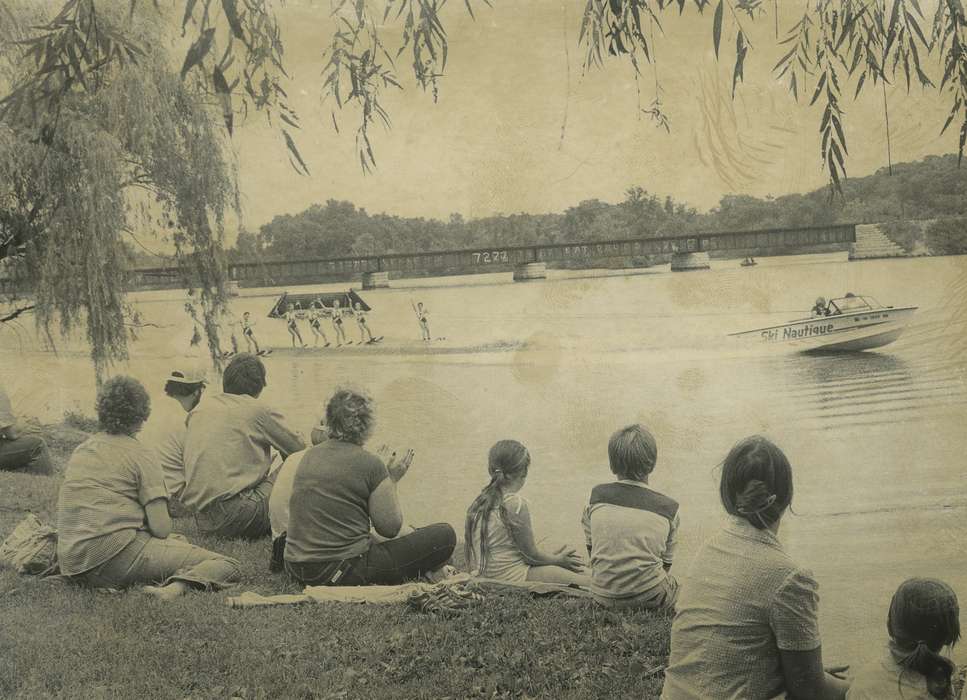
(167, 593)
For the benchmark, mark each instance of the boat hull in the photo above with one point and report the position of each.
(852, 332)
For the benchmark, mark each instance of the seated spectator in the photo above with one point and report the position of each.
(282, 492)
(924, 618)
(631, 529)
(166, 433)
(112, 514)
(499, 539)
(228, 454)
(746, 622)
(17, 449)
(341, 491)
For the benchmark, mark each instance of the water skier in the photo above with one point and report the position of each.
(421, 316)
(337, 325)
(315, 322)
(249, 334)
(292, 325)
(360, 316)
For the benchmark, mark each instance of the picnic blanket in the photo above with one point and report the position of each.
(449, 591)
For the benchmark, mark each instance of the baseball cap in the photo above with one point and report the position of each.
(187, 376)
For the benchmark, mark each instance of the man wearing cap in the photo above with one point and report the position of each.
(228, 454)
(17, 450)
(186, 387)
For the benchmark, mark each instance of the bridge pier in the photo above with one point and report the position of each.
(682, 262)
(375, 280)
(530, 271)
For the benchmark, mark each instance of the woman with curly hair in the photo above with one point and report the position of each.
(113, 526)
(339, 493)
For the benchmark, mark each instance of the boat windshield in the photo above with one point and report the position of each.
(850, 304)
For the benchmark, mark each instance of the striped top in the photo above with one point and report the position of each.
(631, 532)
(108, 482)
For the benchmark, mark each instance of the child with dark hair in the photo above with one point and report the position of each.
(112, 513)
(631, 529)
(499, 539)
(924, 618)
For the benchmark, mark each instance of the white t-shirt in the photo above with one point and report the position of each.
(504, 559)
(282, 492)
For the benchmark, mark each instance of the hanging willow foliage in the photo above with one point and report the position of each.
(74, 162)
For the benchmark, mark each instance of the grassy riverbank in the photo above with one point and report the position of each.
(60, 641)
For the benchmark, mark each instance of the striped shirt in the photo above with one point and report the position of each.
(228, 447)
(631, 532)
(108, 482)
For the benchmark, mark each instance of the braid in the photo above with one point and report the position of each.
(490, 498)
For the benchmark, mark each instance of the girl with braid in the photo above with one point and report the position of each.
(499, 538)
(924, 618)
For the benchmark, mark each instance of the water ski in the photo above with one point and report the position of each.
(373, 341)
(263, 353)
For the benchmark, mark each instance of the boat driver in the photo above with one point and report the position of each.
(821, 308)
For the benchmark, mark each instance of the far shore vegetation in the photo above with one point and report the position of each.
(62, 641)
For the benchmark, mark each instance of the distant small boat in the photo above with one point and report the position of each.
(852, 323)
(749, 262)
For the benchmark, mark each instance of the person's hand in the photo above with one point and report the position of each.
(838, 671)
(568, 558)
(396, 465)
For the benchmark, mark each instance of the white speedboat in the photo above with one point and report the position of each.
(848, 324)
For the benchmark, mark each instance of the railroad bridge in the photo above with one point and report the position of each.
(685, 252)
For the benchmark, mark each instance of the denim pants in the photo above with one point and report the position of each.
(243, 516)
(150, 560)
(386, 563)
(26, 451)
(663, 596)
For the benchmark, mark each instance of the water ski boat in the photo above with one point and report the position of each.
(748, 262)
(849, 324)
(304, 301)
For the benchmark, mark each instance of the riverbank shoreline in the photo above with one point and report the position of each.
(63, 641)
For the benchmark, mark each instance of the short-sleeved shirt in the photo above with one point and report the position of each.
(885, 679)
(282, 492)
(165, 434)
(108, 482)
(228, 447)
(743, 601)
(329, 507)
(631, 531)
(6, 411)
(504, 559)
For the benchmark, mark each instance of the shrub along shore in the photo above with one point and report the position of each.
(61, 641)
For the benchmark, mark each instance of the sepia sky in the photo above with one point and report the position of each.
(493, 142)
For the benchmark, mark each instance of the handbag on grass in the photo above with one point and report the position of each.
(31, 548)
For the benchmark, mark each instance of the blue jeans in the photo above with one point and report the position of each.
(150, 560)
(26, 451)
(386, 563)
(243, 516)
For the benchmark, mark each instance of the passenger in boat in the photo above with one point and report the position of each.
(113, 528)
(499, 539)
(248, 333)
(315, 322)
(820, 308)
(340, 492)
(228, 454)
(924, 619)
(338, 325)
(747, 616)
(631, 529)
(360, 316)
(18, 449)
(291, 322)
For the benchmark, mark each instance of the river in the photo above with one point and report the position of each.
(876, 439)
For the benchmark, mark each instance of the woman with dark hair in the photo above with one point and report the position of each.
(112, 513)
(924, 618)
(746, 622)
(341, 492)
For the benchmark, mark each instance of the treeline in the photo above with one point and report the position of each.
(932, 188)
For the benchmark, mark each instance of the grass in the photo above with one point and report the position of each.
(62, 641)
